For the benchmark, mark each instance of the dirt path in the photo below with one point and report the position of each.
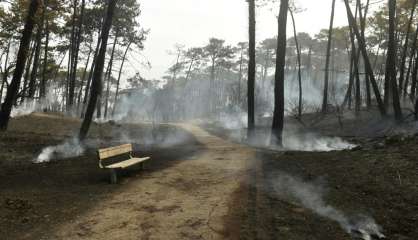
(188, 200)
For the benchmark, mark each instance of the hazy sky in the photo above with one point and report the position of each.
(193, 22)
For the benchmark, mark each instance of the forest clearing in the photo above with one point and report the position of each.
(238, 119)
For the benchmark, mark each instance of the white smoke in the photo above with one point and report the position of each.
(67, 149)
(31, 105)
(294, 138)
(154, 136)
(311, 142)
(311, 196)
(24, 109)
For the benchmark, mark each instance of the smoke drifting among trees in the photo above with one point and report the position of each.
(327, 99)
(211, 80)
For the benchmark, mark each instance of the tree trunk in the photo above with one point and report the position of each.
(98, 71)
(90, 77)
(72, 73)
(363, 18)
(299, 64)
(189, 69)
(27, 73)
(42, 87)
(32, 81)
(77, 46)
(5, 72)
(410, 67)
(391, 61)
(99, 98)
(357, 97)
(405, 48)
(240, 76)
(13, 87)
(109, 76)
(327, 61)
(414, 79)
(83, 78)
(368, 66)
(278, 114)
(348, 96)
(251, 69)
(119, 76)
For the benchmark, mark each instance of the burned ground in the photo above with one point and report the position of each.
(199, 187)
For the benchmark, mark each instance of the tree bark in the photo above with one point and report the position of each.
(13, 88)
(368, 66)
(405, 48)
(414, 79)
(363, 18)
(109, 76)
(83, 78)
(299, 64)
(71, 61)
(32, 81)
(90, 77)
(77, 45)
(278, 114)
(327, 61)
(42, 87)
(391, 61)
(251, 69)
(27, 73)
(410, 67)
(5, 72)
(119, 76)
(98, 71)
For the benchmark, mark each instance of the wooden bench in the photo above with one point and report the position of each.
(122, 151)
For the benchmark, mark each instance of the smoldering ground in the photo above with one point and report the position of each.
(312, 195)
(106, 134)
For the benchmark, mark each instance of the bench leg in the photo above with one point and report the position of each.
(113, 176)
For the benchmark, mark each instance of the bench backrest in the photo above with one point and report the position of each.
(114, 151)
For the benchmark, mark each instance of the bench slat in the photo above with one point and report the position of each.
(127, 163)
(114, 151)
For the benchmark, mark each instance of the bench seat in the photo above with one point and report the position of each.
(124, 151)
(127, 163)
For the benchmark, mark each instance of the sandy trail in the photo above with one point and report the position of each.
(191, 199)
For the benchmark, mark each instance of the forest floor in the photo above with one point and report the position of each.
(202, 184)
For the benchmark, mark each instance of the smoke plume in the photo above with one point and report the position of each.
(311, 196)
(67, 149)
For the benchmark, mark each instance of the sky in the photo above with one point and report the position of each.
(193, 22)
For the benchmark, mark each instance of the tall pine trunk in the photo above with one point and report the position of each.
(368, 66)
(251, 68)
(5, 71)
(299, 64)
(42, 87)
(83, 78)
(278, 114)
(391, 61)
(327, 61)
(405, 49)
(414, 79)
(410, 66)
(27, 73)
(77, 45)
(98, 71)
(109, 76)
(34, 73)
(119, 76)
(13, 88)
(71, 60)
(90, 77)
